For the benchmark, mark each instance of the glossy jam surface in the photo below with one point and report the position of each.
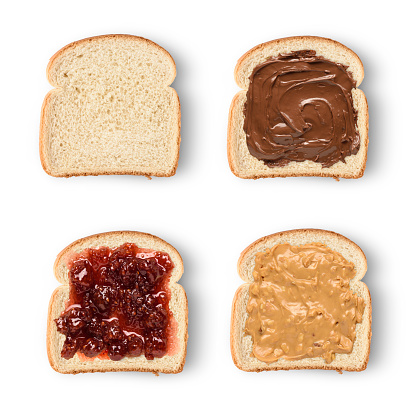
(118, 305)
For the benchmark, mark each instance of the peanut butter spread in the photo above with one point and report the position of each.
(300, 304)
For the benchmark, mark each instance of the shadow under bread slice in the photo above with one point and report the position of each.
(120, 307)
(300, 112)
(303, 306)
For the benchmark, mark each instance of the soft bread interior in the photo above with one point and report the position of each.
(112, 111)
(241, 343)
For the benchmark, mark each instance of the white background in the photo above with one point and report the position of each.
(204, 211)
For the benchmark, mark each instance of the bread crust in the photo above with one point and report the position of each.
(169, 364)
(236, 136)
(240, 355)
(43, 122)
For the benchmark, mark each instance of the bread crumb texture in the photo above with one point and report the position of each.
(112, 111)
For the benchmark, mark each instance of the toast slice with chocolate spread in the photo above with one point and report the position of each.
(102, 322)
(300, 112)
(112, 110)
(293, 307)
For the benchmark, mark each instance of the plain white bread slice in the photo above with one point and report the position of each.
(178, 306)
(112, 110)
(243, 164)
(241, 344)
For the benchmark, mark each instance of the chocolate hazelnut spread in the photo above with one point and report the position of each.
(299, 107)
(300, 304)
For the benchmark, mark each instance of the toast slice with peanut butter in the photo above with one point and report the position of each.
(303, 305)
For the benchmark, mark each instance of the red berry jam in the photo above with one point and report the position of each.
(119, 304)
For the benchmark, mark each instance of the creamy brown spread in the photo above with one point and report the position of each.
(300, 304)
(299, 107)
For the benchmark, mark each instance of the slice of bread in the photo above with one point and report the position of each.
(112, 110)
(243, 164)
(178, 306)
(242, 344)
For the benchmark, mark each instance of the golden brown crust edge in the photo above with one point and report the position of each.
(42, 137)
(235, 315)
(366, 137)
(234, 320)
(42, 127)
(231, 137)
(50, 342)
(49, 329)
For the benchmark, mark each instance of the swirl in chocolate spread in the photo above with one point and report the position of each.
(299, 107)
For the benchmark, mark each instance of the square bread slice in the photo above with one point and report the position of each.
(112, 110)
(243, 164)
(242, 343)
(170, 363)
